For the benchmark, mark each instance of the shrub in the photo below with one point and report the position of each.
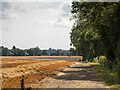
(102, 60)
(95, 60)
(90, 60)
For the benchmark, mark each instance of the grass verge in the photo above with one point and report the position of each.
(108, 76)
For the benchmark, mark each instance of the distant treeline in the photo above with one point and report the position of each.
(36, 51)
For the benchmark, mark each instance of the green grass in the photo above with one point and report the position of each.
(108, 76)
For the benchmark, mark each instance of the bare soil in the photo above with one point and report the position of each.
(33, 68)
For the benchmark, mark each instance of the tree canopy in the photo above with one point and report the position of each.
(36, 51)
(96, 30)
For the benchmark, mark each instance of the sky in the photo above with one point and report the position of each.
(30, 24)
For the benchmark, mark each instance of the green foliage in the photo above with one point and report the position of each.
(96, 36)
(17, 52)
(96, 60)
(32, 52)
(73, 52)
(44, 52)
(5, 51)
(102, 60)
(96, 31)
(110, 77)
(57, 53)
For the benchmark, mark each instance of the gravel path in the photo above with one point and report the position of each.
(79, 75)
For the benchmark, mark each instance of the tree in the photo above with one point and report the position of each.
(30, 52)
(44, 52)
(14, 48)
(5, 51)
(37, 51)
(14, 51)
(1, 50)
(96, 30)
(57, 53)
(20, 52)
(73, 52)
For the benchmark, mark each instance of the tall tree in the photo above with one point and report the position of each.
(5, 51)
(96, 30)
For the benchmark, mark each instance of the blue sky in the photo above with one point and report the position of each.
(30, 24)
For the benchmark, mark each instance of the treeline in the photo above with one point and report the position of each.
(33, 52)
(96, 32)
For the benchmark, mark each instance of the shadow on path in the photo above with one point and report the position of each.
(79, 71)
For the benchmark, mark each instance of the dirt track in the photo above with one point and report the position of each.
(79, 75)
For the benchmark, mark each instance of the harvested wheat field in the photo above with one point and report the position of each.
(34, 69)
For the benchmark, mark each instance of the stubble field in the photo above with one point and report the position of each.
(34, 69)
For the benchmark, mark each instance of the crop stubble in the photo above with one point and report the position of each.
(33, 70)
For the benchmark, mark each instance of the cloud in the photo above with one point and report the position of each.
(18, 8)
(59, 20)
(6, 29)
(4, 16)
(60, 25)
(36, 0)
(52, 5)
(66, 9)
(30, 24)
(5, 5)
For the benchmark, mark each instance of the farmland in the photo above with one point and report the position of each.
(34, 69)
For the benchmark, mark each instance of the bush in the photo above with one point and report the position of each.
(95, 60)
(102, 60)
(112, 66)
(90, 60)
